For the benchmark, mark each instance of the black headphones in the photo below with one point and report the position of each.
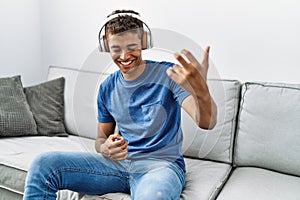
(147, 42)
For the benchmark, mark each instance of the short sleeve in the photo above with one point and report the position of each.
(179, 94)
(103, 113)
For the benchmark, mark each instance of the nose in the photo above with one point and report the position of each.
(124, 55)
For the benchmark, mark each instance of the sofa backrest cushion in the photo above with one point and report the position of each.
(16, 119)
(215, 144)
(46, 102)
(81, 88)
(268, 132)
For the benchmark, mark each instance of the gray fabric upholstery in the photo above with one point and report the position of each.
(250, 183)
(46, 101)
(12, 178)
(110, 196)
(214, 144)
(268, 131)
(204, 179)
(70, 79)
(9, 195)
(16, 118)
(268, 127)
(17, 153)
(81, 89)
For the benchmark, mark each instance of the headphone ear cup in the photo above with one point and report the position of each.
(145, 40)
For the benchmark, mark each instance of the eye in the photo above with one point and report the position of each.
(116, 50)
(132, 47)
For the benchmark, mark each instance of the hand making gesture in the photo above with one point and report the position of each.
(115, 147)
(191, 76)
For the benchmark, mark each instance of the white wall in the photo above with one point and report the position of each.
(251, 40)
(20, 40)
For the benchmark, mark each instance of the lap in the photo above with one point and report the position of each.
(91, 173)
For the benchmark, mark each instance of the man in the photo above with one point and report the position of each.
(143, 100)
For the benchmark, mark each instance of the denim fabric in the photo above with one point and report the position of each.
(91, 173)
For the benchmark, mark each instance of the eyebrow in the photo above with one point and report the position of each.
(129, 45)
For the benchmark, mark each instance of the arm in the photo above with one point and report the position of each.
(110, 145)
(192, 78)
(203, 111)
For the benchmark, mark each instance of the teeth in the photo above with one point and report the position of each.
(126, 63)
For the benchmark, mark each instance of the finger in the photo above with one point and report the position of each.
(114, 136)
(206, 55)
(123, 145)
(111, 145)
(181, 60)
(120, 141)
(117, 151)
(121, 155)
(189, 56)
(178, 69)
(175, 76)
(111, 138)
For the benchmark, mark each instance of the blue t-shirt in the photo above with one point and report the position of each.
(147, 111)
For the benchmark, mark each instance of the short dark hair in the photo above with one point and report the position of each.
(122, 22)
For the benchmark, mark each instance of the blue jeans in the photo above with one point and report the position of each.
(89, 173)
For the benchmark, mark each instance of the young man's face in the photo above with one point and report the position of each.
(126, 51)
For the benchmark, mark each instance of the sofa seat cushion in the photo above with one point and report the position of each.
(110, 196)
(204, 178)
(16, 155)
(255, 183)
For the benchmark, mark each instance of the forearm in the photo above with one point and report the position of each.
(99, 142)
(205, 114)
(104, 131)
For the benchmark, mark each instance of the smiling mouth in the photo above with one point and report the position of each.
(126, 63)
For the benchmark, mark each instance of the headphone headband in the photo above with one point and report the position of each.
(121, 15)
(102, 40)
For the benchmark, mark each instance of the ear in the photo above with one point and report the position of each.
(105, 42)
(145, 40)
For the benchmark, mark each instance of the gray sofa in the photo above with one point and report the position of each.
(252, 153)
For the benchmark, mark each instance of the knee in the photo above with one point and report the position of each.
(40, 170)
(45, 162)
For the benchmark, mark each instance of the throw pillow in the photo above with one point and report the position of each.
(46, 101)
(15, 116)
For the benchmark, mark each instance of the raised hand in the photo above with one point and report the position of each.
(192, 75)
(192, 78)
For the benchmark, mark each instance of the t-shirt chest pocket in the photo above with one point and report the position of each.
(154, 115)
